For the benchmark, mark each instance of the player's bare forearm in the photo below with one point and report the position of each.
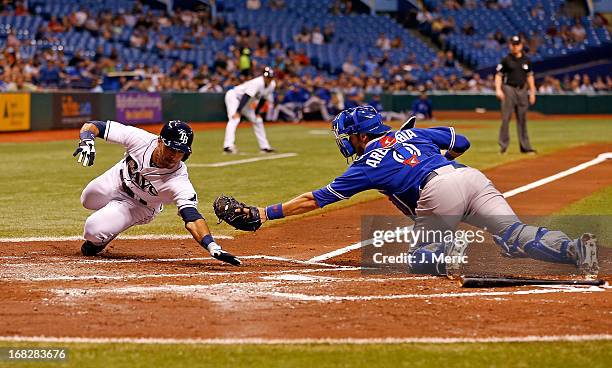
(531, 83)
(89, 127)
(298, 205)
(198, 229)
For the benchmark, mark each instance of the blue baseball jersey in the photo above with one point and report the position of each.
(395, 164)
(422, 107)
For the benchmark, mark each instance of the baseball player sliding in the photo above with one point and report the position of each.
(132, 192)
(238, 103)
(436, 191)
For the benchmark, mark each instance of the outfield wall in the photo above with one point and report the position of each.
(60, 110)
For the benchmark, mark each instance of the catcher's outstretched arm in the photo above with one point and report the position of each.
(301, 204)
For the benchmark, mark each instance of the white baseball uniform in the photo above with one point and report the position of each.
(133, 191)
(256, 88)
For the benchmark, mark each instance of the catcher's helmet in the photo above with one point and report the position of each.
(177, 135)
(362, 119)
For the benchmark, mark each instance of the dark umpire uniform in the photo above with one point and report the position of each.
(515, 87)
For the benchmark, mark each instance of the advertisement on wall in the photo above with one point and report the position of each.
(139, 108)
(71, 110)
(14, 112)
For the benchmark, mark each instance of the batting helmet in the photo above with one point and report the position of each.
(177, 135)
(268, 72)
(362, 119)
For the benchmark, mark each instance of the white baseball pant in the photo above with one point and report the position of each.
(231, 104)
(115, 211)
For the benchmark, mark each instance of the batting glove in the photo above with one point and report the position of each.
(215, 250)
(86, 149)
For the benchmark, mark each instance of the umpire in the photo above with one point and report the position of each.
(514, 75)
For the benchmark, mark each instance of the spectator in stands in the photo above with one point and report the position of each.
(599, 84)
(500, 38)
(78, 19)
(50, 74)
(21, 9)
(397, 43)
(586, 86)
(537, 12)
(566, 35)
(468, 28)
(490, 43)
(328, 32)
(317, 37)
(449, 60)
(348, 67)
(253, 4)
(449, 25)
(383, 42)
(19, 84)
(578, 32)
(422, 107)
(303, 36)
(503, 4)
(244, 62)
(452, 5)
(276, 4)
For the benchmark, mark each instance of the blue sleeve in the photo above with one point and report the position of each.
(353, 181)
(446, 138)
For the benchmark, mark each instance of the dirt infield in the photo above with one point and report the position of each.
(169, 289)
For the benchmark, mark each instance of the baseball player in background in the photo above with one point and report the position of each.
(238, 102)
(407, 165)
(133, 191)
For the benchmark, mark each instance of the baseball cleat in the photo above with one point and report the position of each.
(90, 249)
(230, 151)
(267, 150)
(586, 249)
(456, 251)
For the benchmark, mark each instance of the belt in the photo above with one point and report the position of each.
(517, 86)
(129, 191)
(439, 171)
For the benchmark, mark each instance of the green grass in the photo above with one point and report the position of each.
(599, 203)
(549, 354)
(42, 182)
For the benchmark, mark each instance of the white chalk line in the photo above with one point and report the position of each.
(246, 160)
(599, 159)
(124, 237)
(69, 260)
(242, 291)
(181, 275)
(306, 341)
(359, 298)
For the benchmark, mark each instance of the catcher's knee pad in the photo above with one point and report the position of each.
(543, 249)
(426, 258)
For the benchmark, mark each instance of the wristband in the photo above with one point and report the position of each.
(87, 135)
(206, 240)
(275, 211)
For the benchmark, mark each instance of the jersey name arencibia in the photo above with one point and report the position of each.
(150, 184)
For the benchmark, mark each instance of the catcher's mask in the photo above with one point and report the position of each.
(178, 135)
(362, 119)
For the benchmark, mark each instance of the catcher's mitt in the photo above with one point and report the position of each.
(237, 214)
